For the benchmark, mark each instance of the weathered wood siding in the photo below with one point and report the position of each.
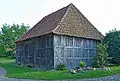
(70, 50)
(47, 51)
(44, 52)
(37, 52)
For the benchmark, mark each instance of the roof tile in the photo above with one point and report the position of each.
(66, 21)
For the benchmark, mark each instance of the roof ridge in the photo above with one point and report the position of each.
(63, 17)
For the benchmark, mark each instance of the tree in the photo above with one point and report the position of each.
(113, 40)
(8, 36)
(101, 57)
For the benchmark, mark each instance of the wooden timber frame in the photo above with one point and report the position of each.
(64, 36)
(46, 52)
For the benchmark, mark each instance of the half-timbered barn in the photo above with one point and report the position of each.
(65, 36)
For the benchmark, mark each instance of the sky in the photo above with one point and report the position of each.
(103, 14)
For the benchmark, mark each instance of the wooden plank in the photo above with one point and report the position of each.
(74, 48)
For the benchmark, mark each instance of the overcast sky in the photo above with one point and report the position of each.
(103, 14)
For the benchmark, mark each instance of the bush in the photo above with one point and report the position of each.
(113, 40)
(61, 67)
(102, 56)
(82, 64)
(30, 65)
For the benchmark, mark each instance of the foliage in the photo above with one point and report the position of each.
(113, 40)
(82, 64)
(8, 36)
(61, 66)
(30, 65)
(101, 57)
(15, 71)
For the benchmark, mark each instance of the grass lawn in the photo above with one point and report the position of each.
(15, 71)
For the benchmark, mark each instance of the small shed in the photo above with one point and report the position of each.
(65, 36)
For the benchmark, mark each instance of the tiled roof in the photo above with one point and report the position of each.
(66, 21)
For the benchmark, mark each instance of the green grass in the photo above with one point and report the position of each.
(16, 71)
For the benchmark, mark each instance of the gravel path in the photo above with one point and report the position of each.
(2, 71)
(108, 78)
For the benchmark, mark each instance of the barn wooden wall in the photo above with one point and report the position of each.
(70, 50)
(46, 52)
(37, 52)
